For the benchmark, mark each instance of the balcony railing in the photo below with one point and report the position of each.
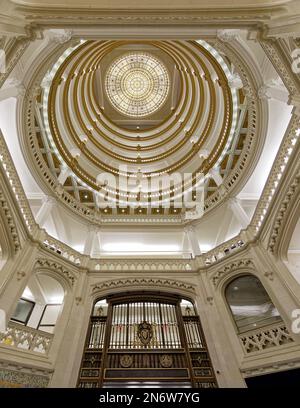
(261, 339)
(26, 338)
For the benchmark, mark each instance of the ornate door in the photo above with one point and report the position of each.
(145, 338)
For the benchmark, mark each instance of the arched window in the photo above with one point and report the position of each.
(250, 304)
(40, 304)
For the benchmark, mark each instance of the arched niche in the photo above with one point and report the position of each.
(41, 303)
(250, 305)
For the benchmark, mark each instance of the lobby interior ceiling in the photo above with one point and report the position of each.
(177, 97)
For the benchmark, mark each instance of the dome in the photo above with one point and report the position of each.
(179, 161)
(137, 84)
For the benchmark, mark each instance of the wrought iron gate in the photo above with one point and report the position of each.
(145, 337)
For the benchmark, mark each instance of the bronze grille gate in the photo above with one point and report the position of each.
(146, 337)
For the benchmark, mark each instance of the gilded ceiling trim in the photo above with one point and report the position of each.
(211, 202)
(87, 179)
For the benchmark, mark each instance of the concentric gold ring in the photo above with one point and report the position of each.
(101, 145)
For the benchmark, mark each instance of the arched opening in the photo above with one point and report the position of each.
(36, 314)
(40, 304)
(145, 339)
(250, 304)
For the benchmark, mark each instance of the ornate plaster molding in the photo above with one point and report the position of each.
(230, 267)
(177, 17)
(142, 265)
(56, 267)
(228, 35)
(60, 36)
(282, 160)
(275, 335)
(143, 282)
(9, 221)
(271, 48)
(283, 213)
(9, 365)
(14, 54)
(235, 176)
(271, 368)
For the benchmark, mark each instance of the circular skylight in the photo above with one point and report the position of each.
(137, 84)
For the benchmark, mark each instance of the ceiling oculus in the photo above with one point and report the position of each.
(137, 84)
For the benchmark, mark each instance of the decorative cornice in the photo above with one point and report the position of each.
(143, 17)
(145, 265)
(271, 368)
(143, 282)
(9, 365)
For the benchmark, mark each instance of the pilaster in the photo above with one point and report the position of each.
(222, 353)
